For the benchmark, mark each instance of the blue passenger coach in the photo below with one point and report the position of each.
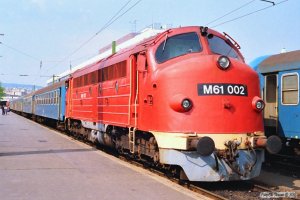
(17, 105)
(49, 102)
(279, 77)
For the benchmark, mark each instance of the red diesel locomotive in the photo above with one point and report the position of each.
(183, 99)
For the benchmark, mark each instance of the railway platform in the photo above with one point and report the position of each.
(39, 163)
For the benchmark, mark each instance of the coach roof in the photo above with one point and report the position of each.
(280, 62)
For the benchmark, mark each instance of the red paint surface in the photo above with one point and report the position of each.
(161, 86)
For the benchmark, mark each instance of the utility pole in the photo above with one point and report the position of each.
(53, 78)
(1, 34)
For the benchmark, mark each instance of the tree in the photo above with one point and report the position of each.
(1, 91)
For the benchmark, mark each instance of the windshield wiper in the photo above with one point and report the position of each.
(165, 42)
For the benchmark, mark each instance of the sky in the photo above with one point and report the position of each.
(53, 31)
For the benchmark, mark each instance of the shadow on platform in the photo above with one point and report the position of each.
(50, 151)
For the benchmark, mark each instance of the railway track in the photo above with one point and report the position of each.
(235, 190)
(284, 164)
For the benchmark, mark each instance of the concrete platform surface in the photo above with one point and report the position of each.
(39, 163)
(280, 182)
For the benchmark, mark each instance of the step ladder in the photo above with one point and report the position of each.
(131, 136)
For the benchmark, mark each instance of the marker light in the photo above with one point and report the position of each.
(258, 104)
(186, 104)
(223, 62)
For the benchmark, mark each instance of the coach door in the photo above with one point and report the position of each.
(271, 99)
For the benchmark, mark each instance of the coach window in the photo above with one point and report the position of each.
(55, 97)
(52, 98)
(177, 45)
(290, 89)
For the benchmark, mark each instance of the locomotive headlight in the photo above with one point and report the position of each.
(181, 103)
(186, 104)
(223, 62)
(258, 104)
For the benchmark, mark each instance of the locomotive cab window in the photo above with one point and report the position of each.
(219, 46)
(290, 89)
(176, 46)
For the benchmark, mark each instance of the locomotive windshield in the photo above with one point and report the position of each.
(220, 46)
(177, 45)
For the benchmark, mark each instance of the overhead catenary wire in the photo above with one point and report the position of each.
(20, 52)
(39, 60)
(105, 26)
(22, 75)
(250, 13)
(110, 22)
(118, 15)
(242, 6)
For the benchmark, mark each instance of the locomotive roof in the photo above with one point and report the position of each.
(280, 62)
(143, 36)
(124, 53)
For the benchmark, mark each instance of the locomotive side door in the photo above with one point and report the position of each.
(68, 100)
(271, 107)
(137, 69)
(132, 115)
